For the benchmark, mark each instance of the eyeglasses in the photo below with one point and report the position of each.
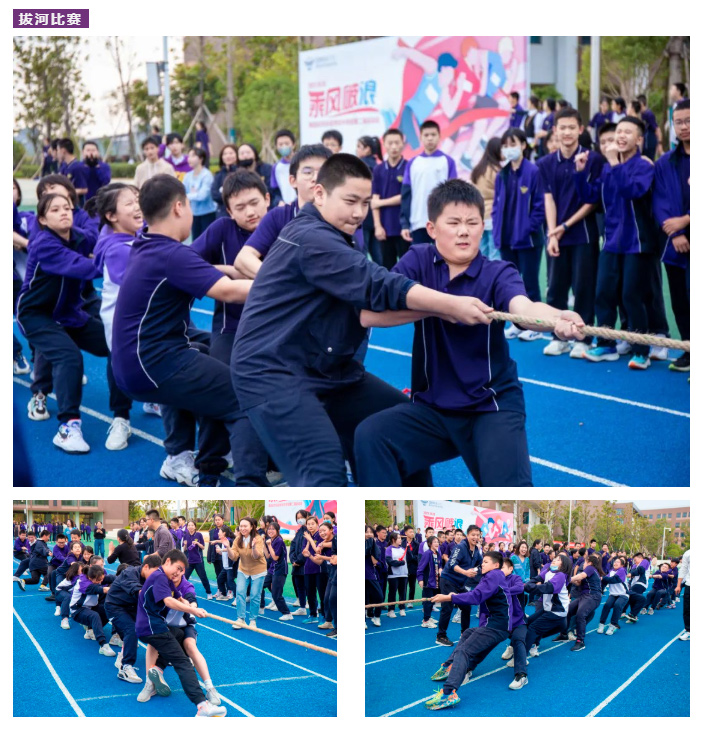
(308, 173)
(681, 123)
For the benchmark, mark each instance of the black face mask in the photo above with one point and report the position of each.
(92, 161)
(246, 163)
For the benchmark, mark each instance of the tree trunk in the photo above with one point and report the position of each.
(675, 50)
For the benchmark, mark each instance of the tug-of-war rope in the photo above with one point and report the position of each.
(601, 332)
(244, 626)
(401, 603)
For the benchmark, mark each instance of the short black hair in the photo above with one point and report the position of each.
(473, 527)
(606, 128)
(284, 133)
(430, 124)
(454, 191)
(428, 527)
(508, 563)
(62, 180)
(459, 530)
(682, 88)
(636, 105)
(241, 180)
(563, 104)
(534, 100)
(380, 527)
(174, 136)
(496, 557)
(95, 571)
(682, 104)
(621, 103)
(551, 103)
(339, 167)
(641, 98)
(605, 98)
(515, 95)
(636, 122)
(90, 141)
(94, 559)
(45, 533)
(393, 130)
(66, 144)
(24, 531)
(76, 531)
(333, 134)
(308, 151)
(153, 513)
(568, 113)
(200, 153)
(158, 194)
(152, 560)
(639, 554)
(593, 541)
(58, 536)
(150, 140)
(176, 555)
(120, 569)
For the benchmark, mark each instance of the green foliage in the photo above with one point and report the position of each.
(539, 531)
(145, 108)
(18, 152)
(26, 171)
(377, 513)
(546, 91)
(185, 92)
(122, 170)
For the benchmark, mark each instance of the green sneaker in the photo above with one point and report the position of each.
(435, 698)
(442, 673)
(444, 701)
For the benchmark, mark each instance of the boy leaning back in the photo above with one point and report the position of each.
(466, 398)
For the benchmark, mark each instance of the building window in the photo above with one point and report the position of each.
(651, 516)
(525, 518)
(535, 40)
(40, 503)
(678, 525)
(658, 516)
(88, 503)
(670, 515)
(678, 516)
(69, 503)
(620, 511)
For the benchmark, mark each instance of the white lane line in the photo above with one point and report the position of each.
(401, 655)
(228, 701)
(264, 680)
(55, 675)
(574, 390)
(271, 655)
(635, 675)
(575, 472)
(369, 634)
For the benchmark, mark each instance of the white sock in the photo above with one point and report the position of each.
(208, 684)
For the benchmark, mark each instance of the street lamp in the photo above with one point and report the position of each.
(663, 541)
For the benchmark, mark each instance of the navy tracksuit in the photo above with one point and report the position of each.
(298, 543)
(373, 590)
(121, 608)
(637, 587)
(412, 562)
(460, 555)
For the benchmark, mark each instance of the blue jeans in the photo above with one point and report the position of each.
(487, 247)
(255, 584)
(99, 547)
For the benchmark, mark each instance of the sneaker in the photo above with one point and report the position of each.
(65, 624)
(602, 354)
(426, 624)
(286, 616)
(650, 611)
(402, 613)
(234, 602)
(44, 588)
(156, 676)
(118, 661)
(50, 598)
(37, 407)
(520, 680)
(152, 408)
(70, 438)
(208, 480)
(508, 653)
(89, 635)
(456, 617)
(578, 352)
(84, 380)
(623, 348)
(433, 622)
(659, 353)
(639, 362)
(611, 630)
(205, 708)
(147, 692)
(441, 674)
(512, 332)
(377, 622)
(578, 646)
(209, 596)
(118, 433)
(572, 635)
(312, 619)
(684, 636)
(20, 582)
(435, 609)
(557, 347)
(391, 614)
(127, 673)
(57, 612)
(601, 628)
(332, 633)
(115, 639)
(212, 696)
(534, 651)
(253, 623)
(443, 640)
(632, 619)
(106, 650)
(296, 603)
(272, 606)
(180, 468)
(300, 611)
(642, 611)
(230, 596)
(467, 678)
(261, 611)
(20, 366)
(682, 364)
(678, 599)
(219, 596)
(560, 638)
(325, 626)
(238, 624)
(444, 701)
(528, 335)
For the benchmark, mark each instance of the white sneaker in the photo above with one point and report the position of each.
(238, 624)
(230, 596)
(433, 622)
(272, 606)
(261, 611)
(118, 661)
(253, 623)
(377, 622)
(180, 468)
(325, 626)
(37, 408)
(127, 673)
(118, 433)
(456, 617)
(286, 616)
(20, 366)
(106, 650)
(572, 636)
(212, 696)
(84, 380)
(436, 609)
(115, 639)
(89, 635)
(678, 599)
(391, 615)
(426, 624)
(152, 408)
(234, 602)
(300, 611)
(611, 630)
(534, 651)
(147, 692)
(221, 597)
(601, 628)
(205, 708)
(508, 653)
(70, 438)
(578, 352)
(529, 335)
(623, 348)
(684, 636)
(65, 624)
(402, 613)
(467, 678)
(296, 603)
(57, 612)
(659, 353)
(557, 347)
(510, 662)
(44, 588)
(209, 596)
(516, 684)
(512, 331)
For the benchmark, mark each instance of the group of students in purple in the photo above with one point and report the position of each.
(564, 586)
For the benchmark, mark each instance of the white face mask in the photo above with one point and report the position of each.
(301, 521)
(511, 154)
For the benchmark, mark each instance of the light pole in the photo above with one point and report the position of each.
(167, 89)
(570, 518)
(663, 541)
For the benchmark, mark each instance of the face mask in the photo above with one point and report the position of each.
(511, 154)
(284, 151)
(301, 521)
(554, 568)
(91, 161)
(246, 162)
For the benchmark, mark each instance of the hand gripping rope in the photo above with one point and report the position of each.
(602, 332)
(273, 635)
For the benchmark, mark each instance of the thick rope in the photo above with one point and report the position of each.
(398, 602)
(602, 332)
(244, 626)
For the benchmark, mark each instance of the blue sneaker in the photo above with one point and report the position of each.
(311, 620)
(602, 354)
(444, 701)
(639, 362)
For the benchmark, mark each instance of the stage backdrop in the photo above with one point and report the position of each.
(285, 511)
(461, 82)
(496, 526)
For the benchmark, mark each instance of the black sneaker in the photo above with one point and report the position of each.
(332, 634)
(578, 646)
(208, 479)
(682, 364)
(50, 598)
(443, 640)
(560, 637)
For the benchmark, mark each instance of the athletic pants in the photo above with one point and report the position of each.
(397, 586)
(637, 600)
(200, 570)
(315, 583)
(680, 300)
(95, 618)
(447, 608)
(428, 606)
(300, 589)
(686, 607)
(615, 603)
(412, 584)
(37, 577)
(654, 597)
(373, 596)
(583, 608)
(472, 648)
(528, 261)
(225, 580)
(542, 624)
(517, 639)
(123, 622)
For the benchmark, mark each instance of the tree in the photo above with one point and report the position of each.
(124, 63)
(606, 524)
(376, 512)
(18, 152)
(185, 91)
(137, 509)
(145, 108)
(539, 531)
(253, 508)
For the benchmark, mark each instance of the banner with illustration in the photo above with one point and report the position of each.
(495, 525)
(285, 511)
(461, 82)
